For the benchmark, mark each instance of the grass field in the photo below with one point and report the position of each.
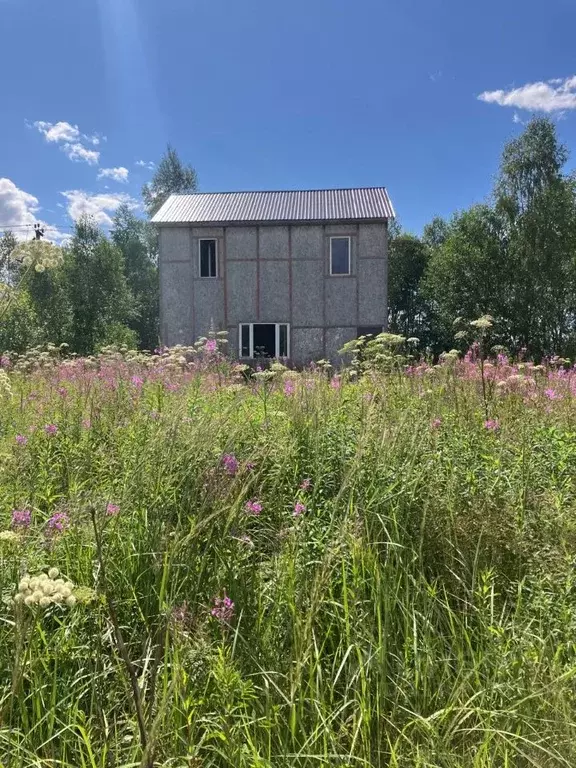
(304, 570)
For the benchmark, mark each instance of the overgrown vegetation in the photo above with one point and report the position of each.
(368, 568)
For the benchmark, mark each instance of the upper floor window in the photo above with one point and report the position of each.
(208, 251)
(339, 255)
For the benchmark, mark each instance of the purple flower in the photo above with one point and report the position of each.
(230, 463)
(250, 465)
(289, 387)
(551, 394)
(63, 392)
(223, 609)
(211, 345)
(86, 423)
(305, 484)
(58, 522)
(137, 381)
(51, 429)
(21, 518)
(492, 425)
(4, 361)
(253, 508)
(299, 509)
(21, 439)
(335, 382)
(112, 509)
(435, 423)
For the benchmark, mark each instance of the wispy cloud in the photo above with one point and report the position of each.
(146, 164)
(116, 174)
(100, 206)
(70, 140)
(554, 95)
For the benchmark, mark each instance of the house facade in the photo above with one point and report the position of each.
(291, 274)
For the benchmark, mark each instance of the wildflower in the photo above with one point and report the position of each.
(45, 589)
(253, 508)
(299, 509)
(63, 392)
(86, 423)
(305, 484)
(435, 423)
(9, 537)
(492, 425)
(137, 381)
(58, 522)
(21, 518)
(230, 463)
(289, 387)
(53, 573)
(223, 609)
(250, 465)
(21, 439)
(335, 382)
(5, 386)
(4, 361)
(51, 429)
(211, 345)
(551, 394)
(112, 509)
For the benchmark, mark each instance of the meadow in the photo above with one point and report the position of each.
(366, 567)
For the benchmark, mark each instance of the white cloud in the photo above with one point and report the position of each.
(116, 174)
(79, 153)
(61, 131)
(146, 164)
(18, 213)
(69, 138)
(551, 96)
(99, 206)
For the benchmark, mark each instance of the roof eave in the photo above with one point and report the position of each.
(273, 223)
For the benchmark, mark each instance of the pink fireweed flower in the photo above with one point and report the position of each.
(250, 465)
(21, 518)
(4, 361)
(230, 464)
(58, 522)
(137, 381)
(435, 423)
(289, 388)
(335, 382)
(492, 425)
(305, 484)
(223, 609)
(51, 429)
(112, 509)
(86, 423)
(21, 439)
(211, 345)
(299, 509)
(253, 508)
(551, 394)
(63, 392)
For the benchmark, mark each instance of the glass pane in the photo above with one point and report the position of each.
(283, 344)
(340, 255)
(207, 258)
(245, 331)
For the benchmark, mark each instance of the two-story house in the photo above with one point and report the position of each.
(292, 274)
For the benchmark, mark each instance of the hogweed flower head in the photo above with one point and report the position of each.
(44, 590)
(223, 609)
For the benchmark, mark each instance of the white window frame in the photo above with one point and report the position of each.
(341, 237)
(200, 241)
(251, 339)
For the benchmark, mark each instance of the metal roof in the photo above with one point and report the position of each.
(293, 206)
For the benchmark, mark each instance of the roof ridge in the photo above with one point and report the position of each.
(275, 191)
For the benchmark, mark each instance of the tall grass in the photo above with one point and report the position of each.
(421, 611)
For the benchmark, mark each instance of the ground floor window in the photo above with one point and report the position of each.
(264, 340)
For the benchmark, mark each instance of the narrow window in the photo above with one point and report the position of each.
(283, 340)
(245, 341)
(208, 258)
(339, 255)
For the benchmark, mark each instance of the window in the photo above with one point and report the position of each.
(208, 250)
(264, 340)
(339, 255)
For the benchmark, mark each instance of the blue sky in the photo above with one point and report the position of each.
(269, 95)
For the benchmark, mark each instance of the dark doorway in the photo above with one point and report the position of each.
(264, 340)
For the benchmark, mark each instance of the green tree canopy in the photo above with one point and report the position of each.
(171, 177)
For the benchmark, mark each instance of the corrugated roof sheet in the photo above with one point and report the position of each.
(252, 207)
